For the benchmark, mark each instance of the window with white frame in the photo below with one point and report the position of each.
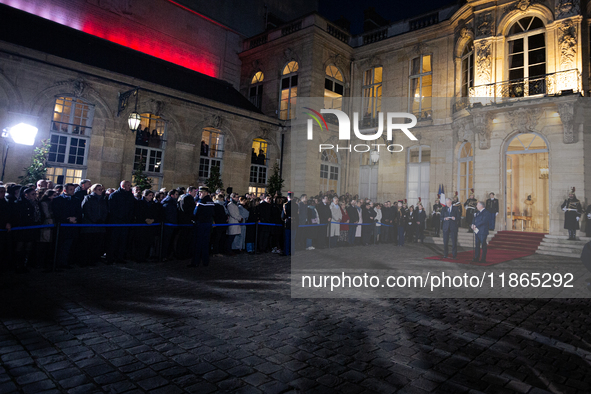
(289, 91)
(256, 89)
(259, 161)
(329, 171)
(150, 143)
(61, 175)
(69, 137)
(527, 58)
(420, 85)
(418, 167)
(467, 69)
(334, 88)
(372, 96)
(212, 151)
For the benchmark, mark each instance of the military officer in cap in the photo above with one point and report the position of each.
(492, 206)
(572, 214)
(436, 219)
(470, 206)
(203, 214)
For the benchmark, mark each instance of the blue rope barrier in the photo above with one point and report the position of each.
(30, 227)
(109, 225)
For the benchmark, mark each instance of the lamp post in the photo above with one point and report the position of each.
(22, 134)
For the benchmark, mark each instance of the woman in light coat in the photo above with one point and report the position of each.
(336, 216)
(233, 218)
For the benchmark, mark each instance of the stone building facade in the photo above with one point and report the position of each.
(497, 87)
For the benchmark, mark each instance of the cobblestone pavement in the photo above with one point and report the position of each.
(165, 328)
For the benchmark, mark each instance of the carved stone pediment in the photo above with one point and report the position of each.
(484, 24)
(567, 42)
(78, 87)
(524, 120)
(484, 61)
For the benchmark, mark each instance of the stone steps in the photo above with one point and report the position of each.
(560, 246)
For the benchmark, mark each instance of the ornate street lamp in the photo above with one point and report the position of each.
(374, 156)
(134, 119)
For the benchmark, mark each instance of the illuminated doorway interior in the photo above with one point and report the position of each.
(527, 193)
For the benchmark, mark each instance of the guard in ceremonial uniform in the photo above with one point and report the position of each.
(572, 214)
(492, 206)
(203, 223)
(470, 206)
(436, 219)
(456, 203)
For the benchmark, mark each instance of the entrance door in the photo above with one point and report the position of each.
(368, 182)
(527, 188)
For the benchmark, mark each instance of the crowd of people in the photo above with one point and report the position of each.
(94, 224)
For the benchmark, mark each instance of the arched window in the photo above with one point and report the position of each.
(465, 170)
(334, 88)
(467, 69)
(329, 171)
(419, 161)
(212, 151)
(69, 137)
(256, 89)
(289, 90)
(372, 96)
(258, 166)
(527, 58)
(150, 142)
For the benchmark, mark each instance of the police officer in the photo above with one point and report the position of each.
(572, 213)
(470, 206)
(203, 222)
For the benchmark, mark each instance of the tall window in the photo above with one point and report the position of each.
(419, 161)
(256, 89)
(465, 170)
(289, 91)
(69, 137)
(527, 58)
(372, 96)
(334, 88)
(258, 163)
(467, 69)
(212, 151)
(150, 142)
(329, 171)
(421, 83)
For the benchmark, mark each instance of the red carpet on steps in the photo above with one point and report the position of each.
(504, 246)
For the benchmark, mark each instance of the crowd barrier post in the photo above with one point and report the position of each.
(256, 237)
(161, 242)
(329, 231)
(56, 248)
(375, 232)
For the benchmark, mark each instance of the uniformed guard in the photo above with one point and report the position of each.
(470, 206)
(436, 218)
(492, 206)
(456, 203)
(572, 214)
(203, 223)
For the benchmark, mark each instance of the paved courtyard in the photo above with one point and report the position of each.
(165, 328)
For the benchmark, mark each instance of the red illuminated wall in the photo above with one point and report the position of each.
(158, 28)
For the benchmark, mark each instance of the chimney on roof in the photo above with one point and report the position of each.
(372, 20)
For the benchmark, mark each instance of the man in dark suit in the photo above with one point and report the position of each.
(481, 223)
(325, 216)
(450, 217)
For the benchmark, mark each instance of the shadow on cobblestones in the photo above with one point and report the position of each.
(234, 327)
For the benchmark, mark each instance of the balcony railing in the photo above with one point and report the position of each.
(543, 85)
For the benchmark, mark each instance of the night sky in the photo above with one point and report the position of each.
(393, 10)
